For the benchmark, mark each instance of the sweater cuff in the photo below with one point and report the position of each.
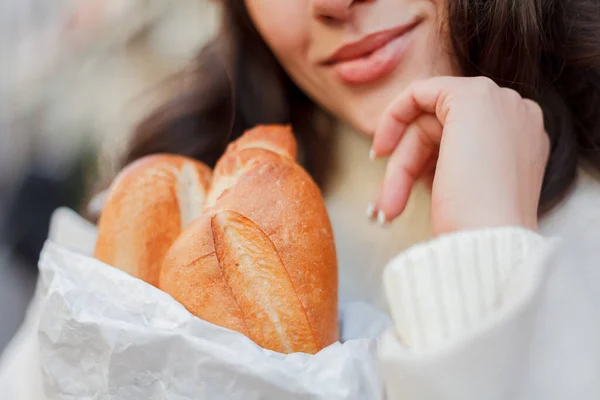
(443, 288)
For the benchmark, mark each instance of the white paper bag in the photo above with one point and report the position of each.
(94, 332)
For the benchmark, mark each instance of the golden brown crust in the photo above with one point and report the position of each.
(193, 277)
(286, 205)
(143, 214)
(260, 259)
(261, 285)
(292, 214)
(234, 163)
(276, 138)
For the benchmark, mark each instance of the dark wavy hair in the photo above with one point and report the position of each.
(547, 50)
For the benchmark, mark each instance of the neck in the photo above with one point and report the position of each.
(363, 247)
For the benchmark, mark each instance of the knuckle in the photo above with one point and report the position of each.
(511, 93)
(417, 85)
(484, 83)
(546, 144)
(409, 171)
(533, 106)
(481, 87)
(535, 111)
(536, 115)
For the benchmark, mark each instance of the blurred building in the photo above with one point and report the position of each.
(76, 76)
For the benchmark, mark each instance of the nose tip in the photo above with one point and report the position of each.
(332, 9)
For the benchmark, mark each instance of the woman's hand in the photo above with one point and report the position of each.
(486, 146)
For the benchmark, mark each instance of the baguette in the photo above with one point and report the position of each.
(259, 257)
(148, 206)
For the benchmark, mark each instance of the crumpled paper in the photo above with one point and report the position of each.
(94, 332)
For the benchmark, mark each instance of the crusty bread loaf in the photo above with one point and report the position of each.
(261, 257)
(277, 139)
(149, 204)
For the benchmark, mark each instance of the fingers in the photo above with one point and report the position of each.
(430, 96)
(411, 159)
(490, 134)
(411, 131)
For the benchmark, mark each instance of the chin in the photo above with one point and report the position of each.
(366, 106)
(364, 125)
(366, 111)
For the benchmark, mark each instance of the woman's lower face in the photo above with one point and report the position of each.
(355, 57)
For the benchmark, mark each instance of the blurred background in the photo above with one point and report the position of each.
(75, 77)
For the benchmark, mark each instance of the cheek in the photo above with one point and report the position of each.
(283, 24)
(436, 53)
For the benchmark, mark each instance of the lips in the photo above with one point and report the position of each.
(372, 57)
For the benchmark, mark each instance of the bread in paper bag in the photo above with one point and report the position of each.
(94, 331)
(251, 249)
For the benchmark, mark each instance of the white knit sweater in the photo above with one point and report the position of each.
(502, 313)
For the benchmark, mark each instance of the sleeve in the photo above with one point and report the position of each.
(501, 313)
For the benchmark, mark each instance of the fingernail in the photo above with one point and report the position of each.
(371, 211)
(372, 154)
(382, 220)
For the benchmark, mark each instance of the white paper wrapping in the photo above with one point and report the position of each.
(94, 332)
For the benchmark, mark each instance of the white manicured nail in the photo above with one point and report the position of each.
(371, 211)
(372, 154)
(381, 219)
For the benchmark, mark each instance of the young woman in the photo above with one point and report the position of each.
(494, 108)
